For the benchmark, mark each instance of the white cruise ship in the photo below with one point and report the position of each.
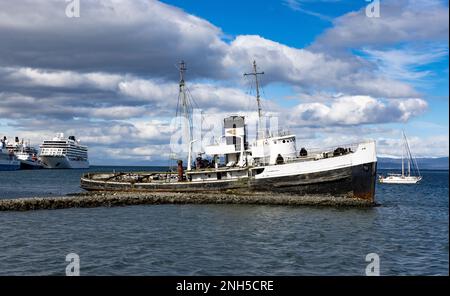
(25, 153)
(64, 153)
(8, 161)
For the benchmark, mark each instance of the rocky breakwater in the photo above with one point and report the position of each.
(112, 199)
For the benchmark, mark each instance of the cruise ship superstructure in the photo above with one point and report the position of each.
(8, 161)
(64, 153)
(25, 153)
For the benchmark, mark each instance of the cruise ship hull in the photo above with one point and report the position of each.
(8, 162)
(30, 165)
(62, 162)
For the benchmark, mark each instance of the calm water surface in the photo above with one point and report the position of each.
(409, 232)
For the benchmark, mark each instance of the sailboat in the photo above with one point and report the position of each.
(411, 162)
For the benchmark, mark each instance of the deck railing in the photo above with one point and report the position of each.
(314, 154)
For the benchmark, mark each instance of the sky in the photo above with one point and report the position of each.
(334, 74)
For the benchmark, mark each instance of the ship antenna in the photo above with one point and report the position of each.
(182, 69)
(258, 97)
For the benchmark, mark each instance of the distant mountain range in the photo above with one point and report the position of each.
(440, 163)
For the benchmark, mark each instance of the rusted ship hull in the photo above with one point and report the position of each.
(99, 182)
(354, 182)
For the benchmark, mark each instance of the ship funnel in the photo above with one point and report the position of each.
(235, 130)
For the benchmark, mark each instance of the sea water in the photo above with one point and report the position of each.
(408, 232)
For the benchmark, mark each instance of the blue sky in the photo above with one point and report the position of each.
(297, 23)
(282, 22)
(333, 75)
(276, 20)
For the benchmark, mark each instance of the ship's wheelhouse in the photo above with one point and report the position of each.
(272, 150)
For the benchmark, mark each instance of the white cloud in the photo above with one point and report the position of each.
(141, 36)
(63, 79)
(311, 70)
(297, 5)
(404, 64)
(107, 40)
(146, 89)
(427, 146)
(130, 89)
(356, 110)
(118, 112)
(399, 21)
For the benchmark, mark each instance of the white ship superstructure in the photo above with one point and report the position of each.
(8, 161)
(64, 153)
(25, 153)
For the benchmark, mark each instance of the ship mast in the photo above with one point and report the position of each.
(182, 92)
(258, 97)
(184, 106)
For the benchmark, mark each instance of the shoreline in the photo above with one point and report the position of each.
(118, 199)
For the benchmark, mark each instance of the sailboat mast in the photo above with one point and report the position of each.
(403, 153)
(412, 160)
(408, 154)
(409, 167)
(258, 97)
